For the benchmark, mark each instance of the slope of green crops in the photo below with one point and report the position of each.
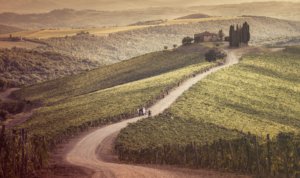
(141, 67)
(104, 106)
(260, 95)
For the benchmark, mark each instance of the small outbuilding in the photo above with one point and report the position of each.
(206, 37)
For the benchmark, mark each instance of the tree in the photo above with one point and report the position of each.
(214, 54)
(165, 47)
(246, 33)
(174, 46)
(187, 41)
(231, 35)
(3, 115)
(239, 35)
(221, 35)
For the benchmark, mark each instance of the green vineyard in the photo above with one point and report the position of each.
(96, 98)
(260, 96)
(138, 68)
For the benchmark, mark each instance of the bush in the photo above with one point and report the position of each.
(13, 107)
(3, 84)
(214, 54)
(187, 41)
(3, 114)
(165, 47)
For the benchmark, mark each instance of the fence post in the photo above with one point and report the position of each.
(2, 145)
(269, 155)
(257, 157)
(22, 137)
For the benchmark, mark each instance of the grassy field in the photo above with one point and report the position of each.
(260, 95)
(141, 67)
(103, 106)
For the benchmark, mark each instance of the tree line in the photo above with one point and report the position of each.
(239, 35)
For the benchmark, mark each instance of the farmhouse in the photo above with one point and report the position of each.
(205, 37)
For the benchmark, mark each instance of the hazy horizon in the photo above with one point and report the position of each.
(36, 6)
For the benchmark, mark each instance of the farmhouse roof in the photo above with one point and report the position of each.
(206, 33)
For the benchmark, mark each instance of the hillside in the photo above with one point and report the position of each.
(258, 96)
(23, 67)
(116, 47)
(4, 29)
(282, 10)
(138, 68)
(124, 45)
(110, 99)
(94, 18)
(194, 16)
(86, 18)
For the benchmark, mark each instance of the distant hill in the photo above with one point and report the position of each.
(21, 66)
(127, 44)
(93, 18)
(87, 18)
(9, 29)
(282, 10)
(194, 16)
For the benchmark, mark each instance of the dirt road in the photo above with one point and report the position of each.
(86, 151)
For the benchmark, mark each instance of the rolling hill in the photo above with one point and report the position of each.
(194, 16)
(4, 29)
(127, 44)
(119, 46)
(258, 96)
(93, 18)
(24, 67)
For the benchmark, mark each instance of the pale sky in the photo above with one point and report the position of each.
(26, 6)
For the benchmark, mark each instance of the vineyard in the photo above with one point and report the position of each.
(141, 67)
(68, 116)
(232, 121)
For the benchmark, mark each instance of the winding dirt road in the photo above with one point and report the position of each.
(94, 150)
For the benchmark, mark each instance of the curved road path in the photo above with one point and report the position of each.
(88, 150)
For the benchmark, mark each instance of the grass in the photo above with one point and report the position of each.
(141, 67)
(260, 95)
(103, 106)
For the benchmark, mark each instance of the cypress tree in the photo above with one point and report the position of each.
(246, 33)
(231, 35)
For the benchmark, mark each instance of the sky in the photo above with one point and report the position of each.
(36, 6)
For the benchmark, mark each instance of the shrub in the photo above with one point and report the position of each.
(174, 46)
(214, 54)
(165, 47)
(3, 114)
(13, 107)
(187, 41)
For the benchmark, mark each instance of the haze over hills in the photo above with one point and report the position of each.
(93, 18)
(9, 29)
(35, 6)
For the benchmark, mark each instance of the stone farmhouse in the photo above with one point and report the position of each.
(206, 37)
